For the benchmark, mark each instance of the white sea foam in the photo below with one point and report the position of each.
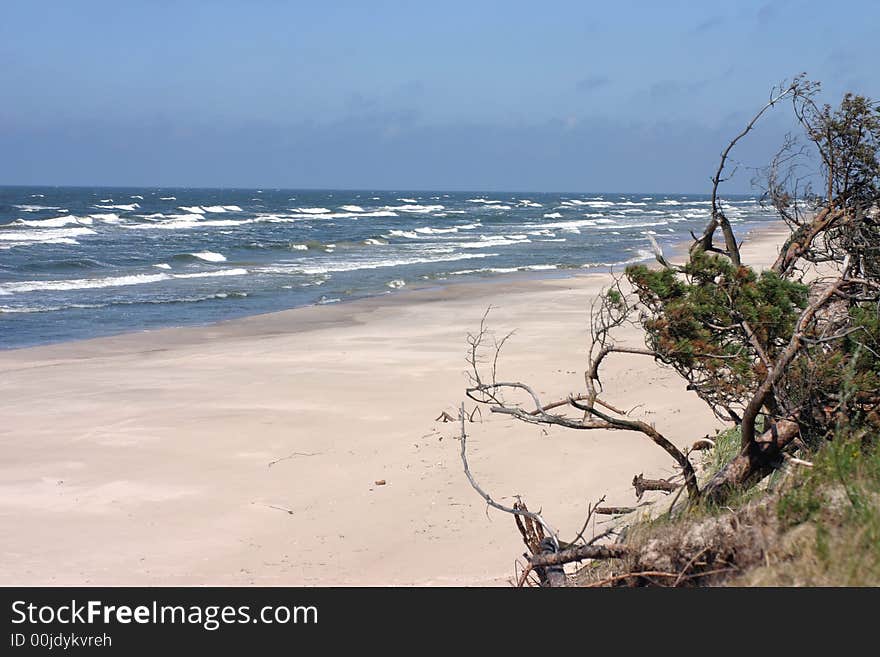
(187, 221)
(162, 265)
(396, 284)
(312, 210)
(354, 265)
(352, 208)
(213, 208)
(299, 247)
(402, 200)
(232, 208)
(192, 209)
(209, 256)
(137, 197)
(106, 217)
(131, 207)
(553, 215)
(211, 274)
(288, 218)
(374, 242)
(44, 235)
(35, 208)
(427, 230)
(167, 198)
(529, 204)
(504, 270)
(53, 240)
(55, 222)
(482, 200)
(414, 209)
(489, 242)
(82, 283)
(403, 233)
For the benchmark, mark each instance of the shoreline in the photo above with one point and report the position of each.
(418, 292)
(248, 451)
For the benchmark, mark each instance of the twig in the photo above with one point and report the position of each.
(516, 512)
(290, 456)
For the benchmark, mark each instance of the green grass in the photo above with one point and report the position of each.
(837, 502)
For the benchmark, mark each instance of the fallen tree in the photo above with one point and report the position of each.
(789, 355)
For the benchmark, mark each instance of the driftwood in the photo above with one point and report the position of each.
(580, 553)
(641, 484)
(614, 510)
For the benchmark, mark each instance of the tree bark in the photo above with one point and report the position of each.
(756, 460)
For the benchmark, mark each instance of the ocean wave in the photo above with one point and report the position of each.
(118, 302)
(131, 207)
(106, 217)
(427, 230)
(414, 209)
(206, 256)
(55, 222)
(192, 209)
(352, 208)
(167, 198)
(553, 215)
(221, 208)
(211, 274)
(36, 208)
(355, 265)
(81, 283)
(503, 270)
(109, 281)
(489, 242)
(54, 240)
(43, 235)
(187, 221)
(312, 210)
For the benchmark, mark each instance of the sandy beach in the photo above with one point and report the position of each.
(247, 452)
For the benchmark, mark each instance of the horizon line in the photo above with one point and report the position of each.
(366, 189)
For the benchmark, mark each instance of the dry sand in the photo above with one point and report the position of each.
(144, 459)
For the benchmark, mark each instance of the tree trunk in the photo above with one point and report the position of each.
(757, 460)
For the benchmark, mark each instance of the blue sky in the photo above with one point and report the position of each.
(549, 96)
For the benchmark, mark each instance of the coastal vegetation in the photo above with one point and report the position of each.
(787, 356)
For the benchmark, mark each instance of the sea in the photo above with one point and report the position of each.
(85, 262)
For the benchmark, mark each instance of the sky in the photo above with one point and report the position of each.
(575, 96)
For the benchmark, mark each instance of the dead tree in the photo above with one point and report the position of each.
(788, 354)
